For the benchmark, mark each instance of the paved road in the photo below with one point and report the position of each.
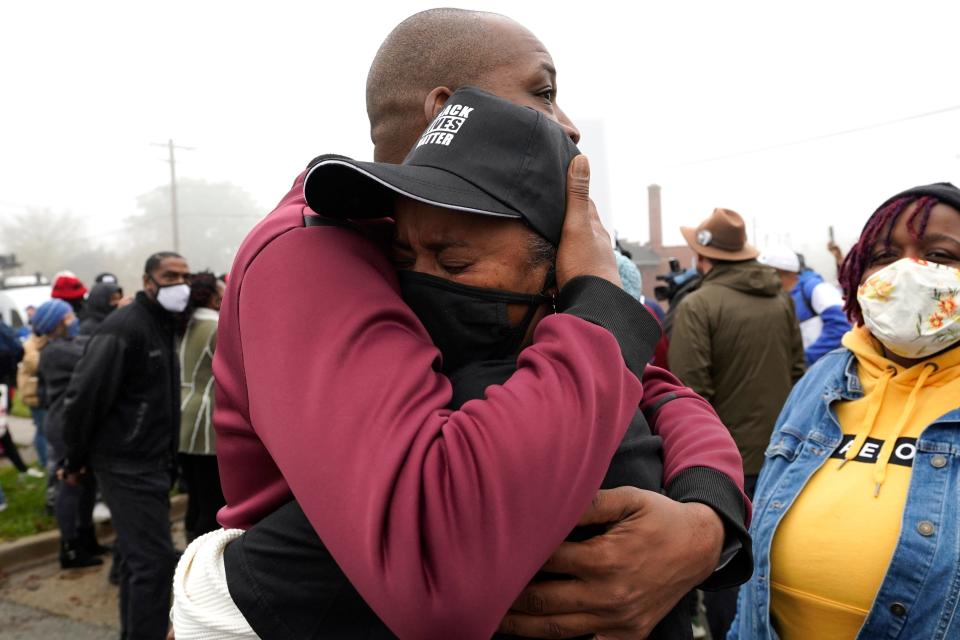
(47, 603)
(20, 622)
(25, 623)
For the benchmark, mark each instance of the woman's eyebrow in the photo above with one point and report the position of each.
(454, 243)
(940, 237)
(446, 242)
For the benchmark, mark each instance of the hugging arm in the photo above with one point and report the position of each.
(438, 518)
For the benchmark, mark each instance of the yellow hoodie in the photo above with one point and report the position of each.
(831, 551)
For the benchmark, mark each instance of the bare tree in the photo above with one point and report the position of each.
(214, 218)
(43, 240)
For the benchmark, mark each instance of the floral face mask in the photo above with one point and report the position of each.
(911, 307)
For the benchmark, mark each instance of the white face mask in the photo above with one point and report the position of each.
(174, 297)
(911, 306)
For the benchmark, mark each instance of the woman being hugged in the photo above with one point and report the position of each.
(856, 528)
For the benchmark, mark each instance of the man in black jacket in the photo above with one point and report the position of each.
(121, 419)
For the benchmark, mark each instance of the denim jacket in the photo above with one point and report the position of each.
(919, 595)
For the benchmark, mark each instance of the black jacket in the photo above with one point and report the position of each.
(57, 362)
(123, 402)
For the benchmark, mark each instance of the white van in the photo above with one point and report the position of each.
(18, 293)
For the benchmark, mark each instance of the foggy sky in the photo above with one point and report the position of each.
(260, 88)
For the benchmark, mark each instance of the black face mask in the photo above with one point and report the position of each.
(468, 324)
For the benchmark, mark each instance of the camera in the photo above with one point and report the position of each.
(674, 281)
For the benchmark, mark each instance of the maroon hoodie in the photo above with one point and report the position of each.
(326, 392)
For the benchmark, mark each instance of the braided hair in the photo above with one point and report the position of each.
(880, 227)
(203, 289)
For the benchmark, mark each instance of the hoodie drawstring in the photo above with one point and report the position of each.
(886, 451)
(876, 402)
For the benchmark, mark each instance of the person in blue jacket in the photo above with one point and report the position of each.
(819, 304)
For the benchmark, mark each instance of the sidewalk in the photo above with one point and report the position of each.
(46, 602)
(24, 623)
(43, 601)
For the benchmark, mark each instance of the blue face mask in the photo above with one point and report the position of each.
(73, 329)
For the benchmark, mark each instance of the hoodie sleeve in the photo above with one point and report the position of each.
(438, 518)
(701, 463)
(828, 304)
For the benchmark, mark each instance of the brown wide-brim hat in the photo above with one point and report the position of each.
(722, 236)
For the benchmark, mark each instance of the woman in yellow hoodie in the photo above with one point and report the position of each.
(856, 523)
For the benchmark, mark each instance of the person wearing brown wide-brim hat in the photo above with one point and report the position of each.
(722, 236)
(737, 343)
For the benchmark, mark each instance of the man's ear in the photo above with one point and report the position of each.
(434, 102)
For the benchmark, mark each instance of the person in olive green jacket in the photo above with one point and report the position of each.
(736, 340)
(198, 461)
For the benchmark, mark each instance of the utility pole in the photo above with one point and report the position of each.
(173, 189)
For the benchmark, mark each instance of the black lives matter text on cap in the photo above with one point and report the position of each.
(446, 125)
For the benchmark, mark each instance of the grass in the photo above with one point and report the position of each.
(18, 408)
(25, 513)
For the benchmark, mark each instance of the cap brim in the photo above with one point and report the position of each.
(746, 253)
(345, 188)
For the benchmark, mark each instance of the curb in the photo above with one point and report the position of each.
(42, 547)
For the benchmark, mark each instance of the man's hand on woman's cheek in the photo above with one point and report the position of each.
(626, 580)
(585, 247)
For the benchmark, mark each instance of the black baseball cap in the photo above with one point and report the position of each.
(481, 154)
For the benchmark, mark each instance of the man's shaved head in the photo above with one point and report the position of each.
(438, 48)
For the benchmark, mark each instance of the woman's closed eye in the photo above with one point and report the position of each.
(941, 256)
(884, 256)
(454, 267)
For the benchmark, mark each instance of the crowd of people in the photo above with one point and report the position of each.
(430, 400)
(114, 418)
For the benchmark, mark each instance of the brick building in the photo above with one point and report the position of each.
(653, 257)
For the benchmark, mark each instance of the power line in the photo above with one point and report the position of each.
(817, 138)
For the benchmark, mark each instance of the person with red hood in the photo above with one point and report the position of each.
(68, 287)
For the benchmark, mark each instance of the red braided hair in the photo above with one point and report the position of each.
(879, 226)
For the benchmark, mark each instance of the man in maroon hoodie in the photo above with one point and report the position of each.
(438, 517)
